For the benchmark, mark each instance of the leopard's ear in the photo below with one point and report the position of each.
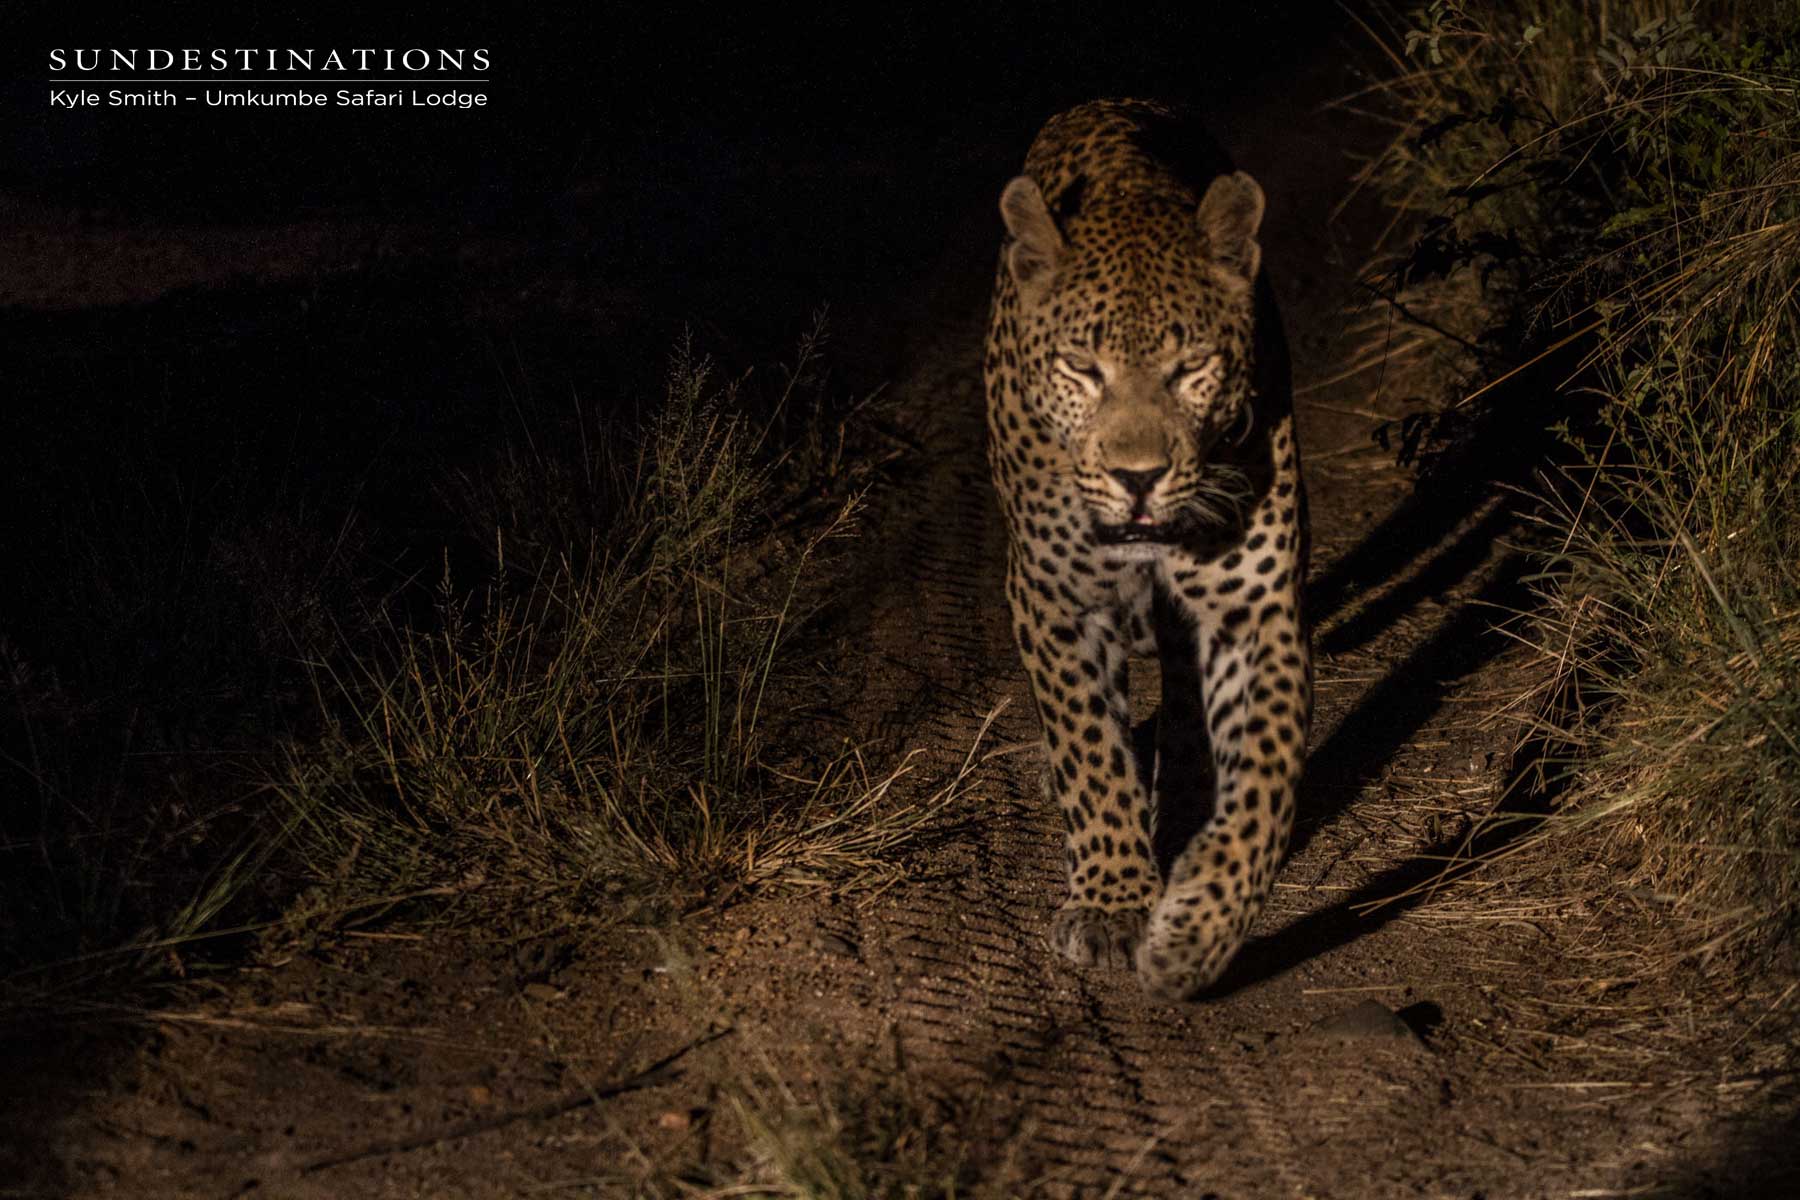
(1036, 243)
(1230, 214)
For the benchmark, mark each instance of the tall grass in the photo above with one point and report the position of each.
(624, 728)
(1620, 177)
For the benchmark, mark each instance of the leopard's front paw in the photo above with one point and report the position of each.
(1177, 964)
(1098, 937)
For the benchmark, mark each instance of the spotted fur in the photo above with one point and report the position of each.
(1140, 435)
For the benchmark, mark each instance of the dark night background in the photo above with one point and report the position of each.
(635, 175)
(696, 99)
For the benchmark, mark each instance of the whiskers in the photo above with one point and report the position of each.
(1217, 494)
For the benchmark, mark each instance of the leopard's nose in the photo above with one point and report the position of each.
(1137, 484)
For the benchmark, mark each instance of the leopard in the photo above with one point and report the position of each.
(1143, 452)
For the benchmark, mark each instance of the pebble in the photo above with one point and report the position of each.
(832, 943)
(1368, 1021)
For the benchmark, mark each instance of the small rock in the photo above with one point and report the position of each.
(1368, 1021)
(543, 992)
(836, 944)
(480, 1096)
(675, 1119)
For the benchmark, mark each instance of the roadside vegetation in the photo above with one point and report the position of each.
(228, 723)
(620, 721)
(1604, 198)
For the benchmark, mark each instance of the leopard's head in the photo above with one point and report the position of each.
(1140, 311)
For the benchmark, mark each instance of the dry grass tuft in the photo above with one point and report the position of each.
(891, 1135)
(625, 729)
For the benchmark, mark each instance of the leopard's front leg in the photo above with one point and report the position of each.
(1256, 679)
(1076, 663)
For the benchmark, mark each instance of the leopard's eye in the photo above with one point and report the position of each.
(1080, 365)
(1194, 371)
